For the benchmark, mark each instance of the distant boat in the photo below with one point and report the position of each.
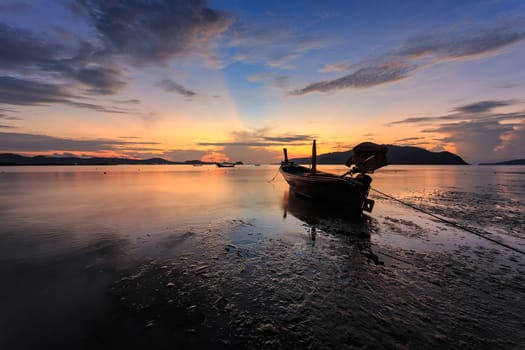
(225, 165)
(349, 190)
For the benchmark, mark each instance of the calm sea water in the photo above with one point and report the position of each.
(81, 249)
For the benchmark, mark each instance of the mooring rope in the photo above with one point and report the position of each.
(452, 223)
(273, 178)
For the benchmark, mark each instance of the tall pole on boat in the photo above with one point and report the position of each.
(314, 158)
(285, 155)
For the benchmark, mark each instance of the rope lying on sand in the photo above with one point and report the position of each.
(451, 222)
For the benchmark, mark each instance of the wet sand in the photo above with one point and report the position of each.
(337, 284)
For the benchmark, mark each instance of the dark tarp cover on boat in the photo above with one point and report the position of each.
(369, 155)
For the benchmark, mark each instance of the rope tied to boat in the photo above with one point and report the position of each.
(273, 178)
(449, 222)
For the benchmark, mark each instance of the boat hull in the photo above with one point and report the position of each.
(326, 187)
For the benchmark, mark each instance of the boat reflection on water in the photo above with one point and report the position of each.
(334, 220)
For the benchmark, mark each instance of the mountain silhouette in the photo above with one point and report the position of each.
(15, 159)
(395, 155)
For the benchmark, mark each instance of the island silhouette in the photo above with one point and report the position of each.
(396, 155)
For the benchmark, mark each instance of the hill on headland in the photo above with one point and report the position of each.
(395, 155)
(15, 159)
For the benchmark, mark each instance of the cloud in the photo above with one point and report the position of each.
(283, 59)
(478, 139)
(100, 108)
(475, 129)
(290, 138)
(418, 141)
(260, 138)
(362, 78)
(416, 120)
(506, 85)
(275, 47)
(235, 143)
(8, 117)
(21, 47)
(20, 142)
(472, 111)
(3, 126)
(25, 92)
(100, 80)
(336, 67)
(462, 44)
(132, 101)
(252, 145)
(44, 144)
(421, 51)
(408, 139)
(251, 154)
(69, 66)
(482, 106)
(22, 92)
(28, 55)
(171, 86)
(151, 32)
(273, 79)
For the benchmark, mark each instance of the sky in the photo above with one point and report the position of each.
(239, 80)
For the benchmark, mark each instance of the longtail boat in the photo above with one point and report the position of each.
(349, 189)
